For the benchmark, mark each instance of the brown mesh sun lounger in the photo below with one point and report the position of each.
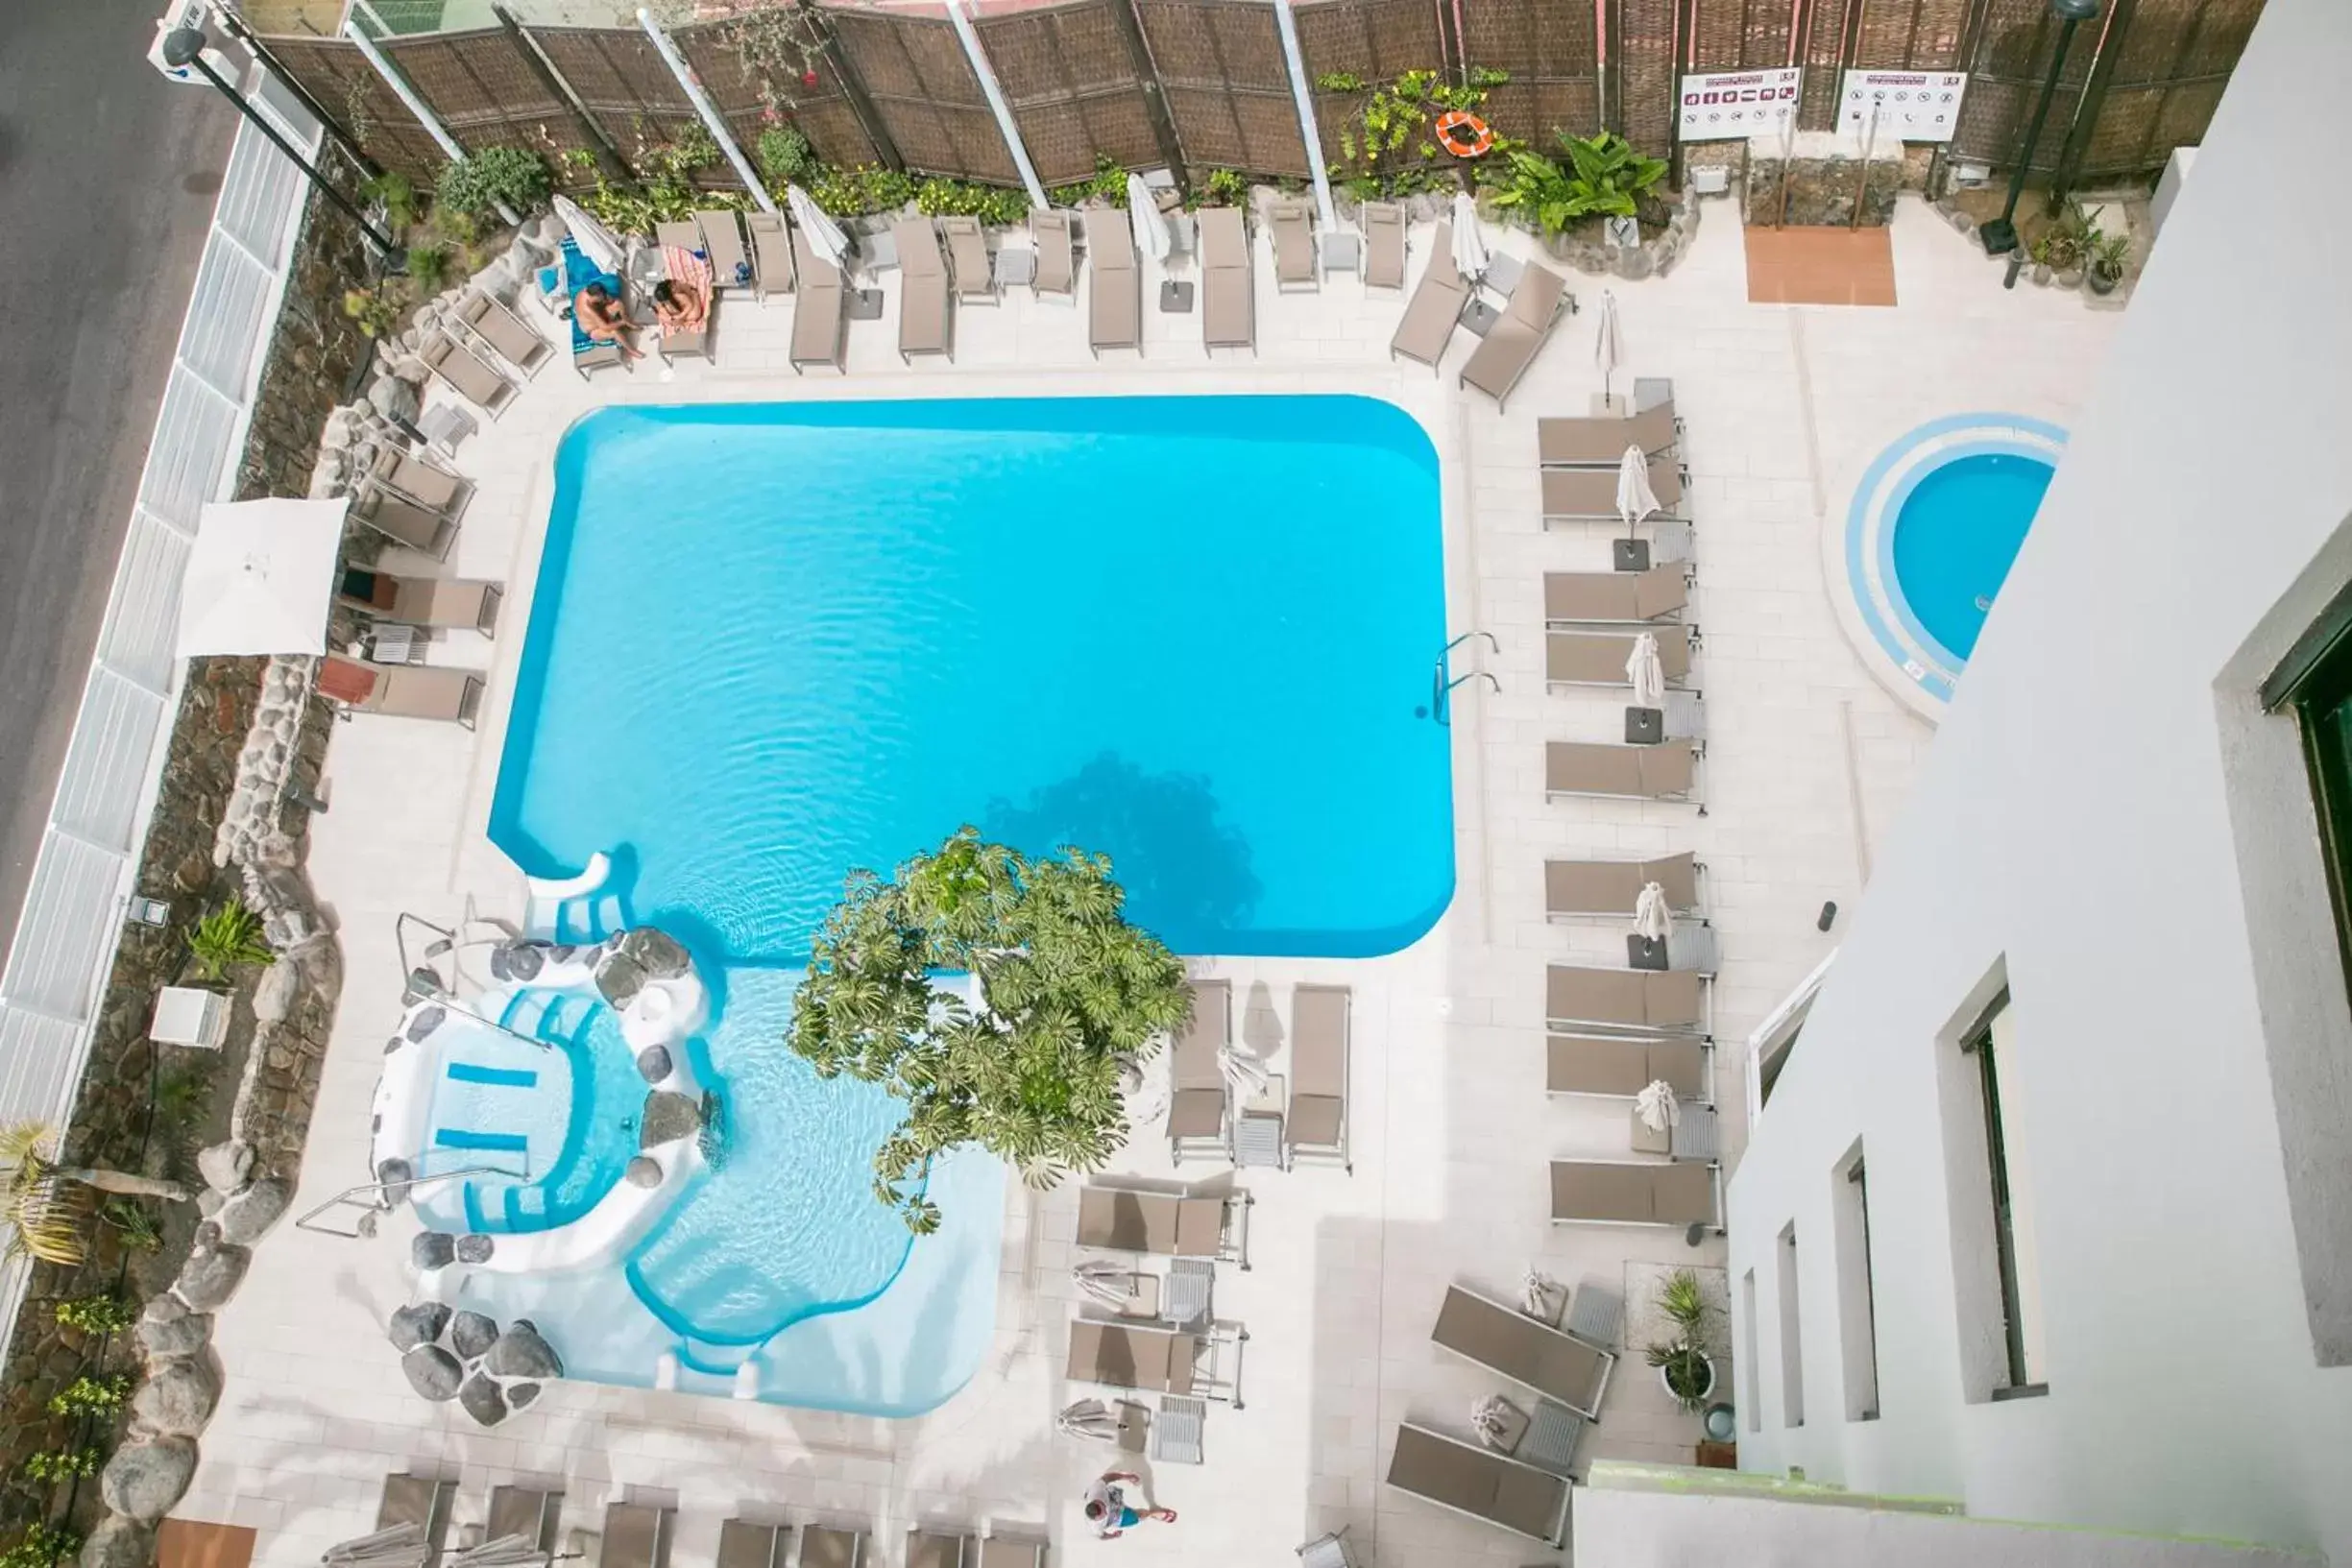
(1600, 443)
(1495, 367)
(529, 1512)
(1629, 1001)
(925, 322)
(1680, 1193)
(1607, 888)
(722, 246)
(820, 320)
(1292, 223)
(430, 486)
(1529, 1353)
(1599, 658)
(1435, 306)
(403, 523)
(462, 371)
(1229, 308)
(1590, 495)
(1196, 1074)
(1479, 1481)
(967, 250)
(636, 1537)
(1318, 1125)
(1056, 264)
(423, 601)
(772, 252)
(1008, 1552)
(1614, 598)
(1128, 1356)
(404, 690)
(827, 1546)
(746, 1543)
(1622, 1066)
(1384, 245)
(939, 1548)
(1667, 772)
(1167, 1224)
(420, 1504)
(1114, 307)
(509, 336)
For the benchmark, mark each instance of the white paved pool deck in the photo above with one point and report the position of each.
(1808, 760)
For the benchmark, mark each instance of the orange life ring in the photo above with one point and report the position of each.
(1465, 135)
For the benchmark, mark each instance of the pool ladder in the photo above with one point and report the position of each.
(1443, 680)
(375, 1198)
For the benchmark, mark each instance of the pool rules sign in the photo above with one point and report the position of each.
(1724, 105)
(1911, 106)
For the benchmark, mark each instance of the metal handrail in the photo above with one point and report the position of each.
(381, 1200)
(1443, 680)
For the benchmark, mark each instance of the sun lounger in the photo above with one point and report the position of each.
(1625, 1000)
(722, 247)
(746, 1543)
(772, 253)
(926, 320)
(1599, 658)
(1291, 224)
(1479, 1481)
(1614, 598)
(1529, 1353)
(427, 484)
(1167, 1224)
(1495, 367)
(1648, 773)
(423, 601)
(967, 251)
(463, 372)
(1627, 1193)
(422, 1504)
(1621, 1066)
(683, 262)
(1007, 1552)
(403, 523)
(1384, 245)
(1154, 1360)
(1695, 1135)
(820, 319)
(1590, 495)
(827, 1546)
(510, 337)
(636, 1537)
(1600, 443)
(1320, 1060)
(587, 353)
(530, 1512)
(1435, 306)
(1229, 307)
(1056, 264)
(1114, 307)
(939, 1548)
(1607, 888)
(404, 690)
(1196, 1072)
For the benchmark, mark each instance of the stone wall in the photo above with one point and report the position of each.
(1825, 176)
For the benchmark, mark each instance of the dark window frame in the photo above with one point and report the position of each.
(1858, 1174)
(2315, 682)
(1978, 1042)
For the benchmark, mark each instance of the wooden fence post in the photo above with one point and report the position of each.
(853, 87)
(1130, 23)
(607, 155)
(1612, 66)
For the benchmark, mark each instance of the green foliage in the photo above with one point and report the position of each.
(688, 149)
(1483, 77)
(785, 154)
(1337, 82)
(427, 266)
(1108, 185)
(2067, 242)
(100, 1314)
(99, 1394)
(392, 191)
(1683, 1356)
(1690, 1377)
(64, 1464)
(1395, 116)
(959, 198)
(132, 1226)
(476, 186)
(861, 190)
(41, 1546)
(1225, 188)
(1681, 1303)
(231, 936)
(377, 313)
(1603, 177)
(1071, 992)
(2108, 257)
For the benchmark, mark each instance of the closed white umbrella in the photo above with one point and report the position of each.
(1635, 499)
(1469, 245)
(1106, 1280)
(1608, 347)
(399, 1545)
(1652, 920)
(259, 577)
(599, 244)
(1656, 1106)
(1490, 1417)
(1152, 236)
(506, 1551)
(1247, 1075)
(825, 236)
(1646, 672)
(1089, 1418)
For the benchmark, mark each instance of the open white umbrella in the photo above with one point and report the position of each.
(600, 245)
(1656, 1106)
(1652, 920)
(1635, 499)
(1150, 224)
(1608, 348)
(259, 577)
(1469, 245)
(825, 236)
(1648, 675)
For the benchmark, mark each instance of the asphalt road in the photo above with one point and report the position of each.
(108, 174)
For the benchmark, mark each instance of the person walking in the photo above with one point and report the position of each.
(1109, 1511)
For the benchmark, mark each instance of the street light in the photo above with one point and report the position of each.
(2000, 234)
(184, 46)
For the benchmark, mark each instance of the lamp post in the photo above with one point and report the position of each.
(2000, 234)
(184, 46)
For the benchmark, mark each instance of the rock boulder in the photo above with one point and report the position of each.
(432, 1372)
(178, 1398)
(521, 1353)
(119, 1543)
(210, 1276)
(668, 1117)
(474, 1247)
(432, 1249)
(417, 1324)
(471, 1334)
(248, 1217)
(167, 1328)
(226, 1168)
(482, 1399)
(143, 1480)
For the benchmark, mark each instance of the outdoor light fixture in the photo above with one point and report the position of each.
(184, 47)
(2000, 234)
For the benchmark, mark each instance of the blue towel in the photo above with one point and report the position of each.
(578, 274)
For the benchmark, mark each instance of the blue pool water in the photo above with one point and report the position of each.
(1957, 533)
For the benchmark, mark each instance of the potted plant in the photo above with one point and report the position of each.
(2103, 267)
(1684, 1361)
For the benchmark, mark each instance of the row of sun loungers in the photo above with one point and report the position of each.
(1203, 1116)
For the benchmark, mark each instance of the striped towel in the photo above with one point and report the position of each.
(683, 266)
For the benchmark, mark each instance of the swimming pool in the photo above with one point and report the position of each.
(771, 644)
(1934, 525)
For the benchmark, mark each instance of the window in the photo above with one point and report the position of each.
(1858, 1322)
(1755, 1400)
(1792, 1334)
(1992, 1049)
(2315, 683)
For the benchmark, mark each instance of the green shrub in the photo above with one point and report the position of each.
(1604, 178)
(89, 1395)
(784, 155)
(1108, 185)
(427, 266)
(861, 190)
(961, 199)
(103, 1314)
(63, 1464)
(231, 936)
(41, 1546)
(516, 175)
(1225, 188)
(398, 196)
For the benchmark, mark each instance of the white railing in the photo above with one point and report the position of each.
(87, 867)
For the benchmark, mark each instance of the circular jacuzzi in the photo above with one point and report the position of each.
(1933, 527)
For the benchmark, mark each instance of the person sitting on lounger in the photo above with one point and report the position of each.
(602, 319)
(680, 306)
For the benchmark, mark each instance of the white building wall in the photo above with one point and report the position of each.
(2073, 824)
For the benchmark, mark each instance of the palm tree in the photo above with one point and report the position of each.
(50, 1205)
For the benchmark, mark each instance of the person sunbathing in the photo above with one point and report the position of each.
(680, 306)
(601, 317)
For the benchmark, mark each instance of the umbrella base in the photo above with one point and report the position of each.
(1629, 554)
(1645, 952)
(1645, 726)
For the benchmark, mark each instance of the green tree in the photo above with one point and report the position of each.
(1070, 994)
